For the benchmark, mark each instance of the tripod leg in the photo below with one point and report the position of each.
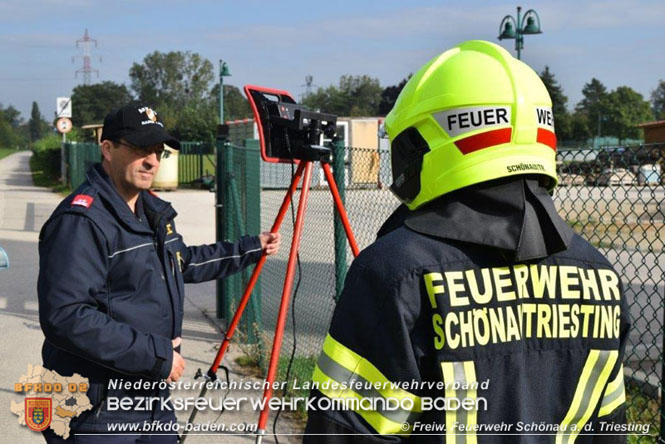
(211, 375)
(255, 274)
(340, 208)
(286, 295)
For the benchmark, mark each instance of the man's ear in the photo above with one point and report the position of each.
(106, 148)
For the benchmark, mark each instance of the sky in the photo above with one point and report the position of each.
(277, 44)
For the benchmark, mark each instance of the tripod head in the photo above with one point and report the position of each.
(289, 132)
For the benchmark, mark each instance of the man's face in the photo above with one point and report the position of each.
(131, 168)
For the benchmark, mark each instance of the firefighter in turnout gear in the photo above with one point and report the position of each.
(477, 315)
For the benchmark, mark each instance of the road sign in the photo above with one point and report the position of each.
(64, 125)
(63, 107)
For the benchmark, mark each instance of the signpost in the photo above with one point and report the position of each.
(63, 112)
(64, 107)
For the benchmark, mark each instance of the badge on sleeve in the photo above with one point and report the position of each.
(82, 200)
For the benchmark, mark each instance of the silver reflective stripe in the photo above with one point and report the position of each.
(610, 397)
(340, 374)
(129, 249)
(172, 240)
(615, 394)
(191, 264)
(458, 369)
(460, 374)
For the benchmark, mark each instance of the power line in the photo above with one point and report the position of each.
(86, 43)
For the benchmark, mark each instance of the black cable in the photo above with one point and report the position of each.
(293, 314)
(228, 390)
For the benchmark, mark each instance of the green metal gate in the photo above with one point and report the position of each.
(78, 158)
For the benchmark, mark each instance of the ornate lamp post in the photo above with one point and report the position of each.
(516, 29)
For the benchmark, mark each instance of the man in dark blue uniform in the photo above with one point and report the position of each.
(112, 275)
(478, 315)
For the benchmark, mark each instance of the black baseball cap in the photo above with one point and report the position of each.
(139, 125)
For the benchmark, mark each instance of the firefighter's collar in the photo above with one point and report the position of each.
(516, 216)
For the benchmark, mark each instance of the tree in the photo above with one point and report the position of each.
(354, 96)
(626, 108)
(594, 105)
(562, 120)
(10, 131)
(172, 79)
(179, 85)
(37, 127)
(91, 103)
(658, 100)
(235, 104)
(389, 96)
(580, 130)
(196, 122)
(10, 115)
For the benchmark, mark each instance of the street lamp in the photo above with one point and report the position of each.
(515, 29)
(223, 72)
(221, 214)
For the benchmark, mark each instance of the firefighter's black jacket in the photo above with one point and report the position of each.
(490, 295)
(111, 291)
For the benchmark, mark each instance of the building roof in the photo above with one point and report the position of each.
(651, 124)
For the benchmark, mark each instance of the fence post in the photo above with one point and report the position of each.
(251, 187)
(232, 282)
(71, 170)
(220, 211)
(340, 236)
(199, 151)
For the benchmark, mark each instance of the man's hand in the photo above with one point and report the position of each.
(270, 242)
(178, 366)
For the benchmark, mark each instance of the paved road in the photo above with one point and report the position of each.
(23, 210)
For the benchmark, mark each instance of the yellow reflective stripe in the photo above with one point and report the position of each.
(464, 374)
(595, 374)
(471, 393)
(355, 363)
(451, 415)
(338, 365)
(615, 394)
(379, 422)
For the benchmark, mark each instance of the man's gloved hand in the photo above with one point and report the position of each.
(178, 366)
(270, 242)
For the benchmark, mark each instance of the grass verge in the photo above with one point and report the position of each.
(4, 152)
(642, 409)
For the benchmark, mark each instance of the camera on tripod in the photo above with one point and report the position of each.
(289, 132)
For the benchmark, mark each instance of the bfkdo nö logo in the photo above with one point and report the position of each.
(38, 413)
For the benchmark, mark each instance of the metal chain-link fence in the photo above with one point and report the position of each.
(614, 198)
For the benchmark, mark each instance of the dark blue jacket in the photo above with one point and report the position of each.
(541, 340)
(111, 290)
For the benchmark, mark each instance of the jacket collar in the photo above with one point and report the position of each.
(515, 216)
(155, 208)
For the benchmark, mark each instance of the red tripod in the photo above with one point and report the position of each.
(304, 166)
